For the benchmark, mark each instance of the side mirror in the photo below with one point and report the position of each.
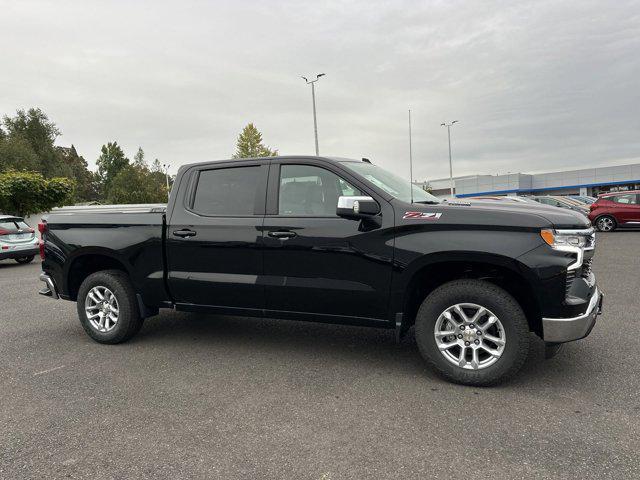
(357, 207)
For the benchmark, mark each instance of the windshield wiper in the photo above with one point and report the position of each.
(427, 202)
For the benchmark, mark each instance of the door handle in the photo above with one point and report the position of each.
(184, 233)
(282, 234)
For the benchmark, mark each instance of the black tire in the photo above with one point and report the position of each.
(23, 260)
(602, 223)
(498, 301)
(129, 320)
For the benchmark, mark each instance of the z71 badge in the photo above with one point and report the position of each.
(421, 216)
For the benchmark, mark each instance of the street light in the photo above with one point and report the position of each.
(313, 98)
(166, 176)
(448, 125)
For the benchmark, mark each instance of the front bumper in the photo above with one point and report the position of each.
(19, 253)
(560, 330)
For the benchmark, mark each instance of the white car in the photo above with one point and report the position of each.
(17, 240)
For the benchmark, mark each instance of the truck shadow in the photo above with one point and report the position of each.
(295, 341)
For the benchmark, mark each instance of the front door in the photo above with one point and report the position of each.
(316, 262)
(214, 239)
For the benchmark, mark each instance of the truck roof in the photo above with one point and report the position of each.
(279, 157)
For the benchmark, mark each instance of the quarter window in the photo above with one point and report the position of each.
(309, 190)
(227, 191)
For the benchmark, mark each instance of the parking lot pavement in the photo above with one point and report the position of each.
(220, 397)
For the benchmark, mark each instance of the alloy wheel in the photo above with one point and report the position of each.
(470, 336)
(605, 224)
(101, 307)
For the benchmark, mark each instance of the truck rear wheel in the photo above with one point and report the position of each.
(107, 307)
(472, 332)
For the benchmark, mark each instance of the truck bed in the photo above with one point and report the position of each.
(133, 208)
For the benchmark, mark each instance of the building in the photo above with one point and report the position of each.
(441, 187)
(588, 181)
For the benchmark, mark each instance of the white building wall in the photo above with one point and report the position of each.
(567, 182)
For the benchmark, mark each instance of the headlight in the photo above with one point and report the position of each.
(571, 241)
(558, 238)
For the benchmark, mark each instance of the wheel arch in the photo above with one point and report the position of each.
(429, 272)
(84, 262)
(616, 223)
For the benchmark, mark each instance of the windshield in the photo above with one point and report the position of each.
(395, 186)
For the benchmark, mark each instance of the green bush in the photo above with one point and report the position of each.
(26, 193)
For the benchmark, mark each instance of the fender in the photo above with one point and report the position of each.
(402, 278)
(77, 254)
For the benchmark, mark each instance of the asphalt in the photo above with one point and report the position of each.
(196, 396)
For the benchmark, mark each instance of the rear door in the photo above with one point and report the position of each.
(316, 262)
(625, 207)
(214, 238)
(635, 212)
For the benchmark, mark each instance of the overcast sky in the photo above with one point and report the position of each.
(536, 86)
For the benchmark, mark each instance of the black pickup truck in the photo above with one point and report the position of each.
(333, 240)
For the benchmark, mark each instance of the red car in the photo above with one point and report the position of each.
(613, 210)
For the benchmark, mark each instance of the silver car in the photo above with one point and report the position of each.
(17, 240)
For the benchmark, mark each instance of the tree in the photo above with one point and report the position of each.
(135, 184)
(26, 193)
(16, 154)
(28, 145)
(159, 175)
(110, 162)
(156, 166)
(87, 182)
(138, 158)
(250, 145)
(33, 128)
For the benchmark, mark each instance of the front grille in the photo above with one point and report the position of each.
(571, 275)
(585, 272)
(586, 268)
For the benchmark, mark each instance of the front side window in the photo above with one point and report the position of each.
(309, 190)
(227, 191)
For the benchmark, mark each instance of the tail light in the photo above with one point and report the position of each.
(42, 228)
(4, 232)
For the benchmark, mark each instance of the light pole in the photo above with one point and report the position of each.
(410, 161)
(449, 125)
(313, 98)
(166, 176)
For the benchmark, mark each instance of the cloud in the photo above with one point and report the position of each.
(535, 86)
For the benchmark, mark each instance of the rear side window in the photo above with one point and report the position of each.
(629, 199)
(227, 191)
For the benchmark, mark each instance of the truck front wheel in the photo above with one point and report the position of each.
(107, 307)
(472, 332)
